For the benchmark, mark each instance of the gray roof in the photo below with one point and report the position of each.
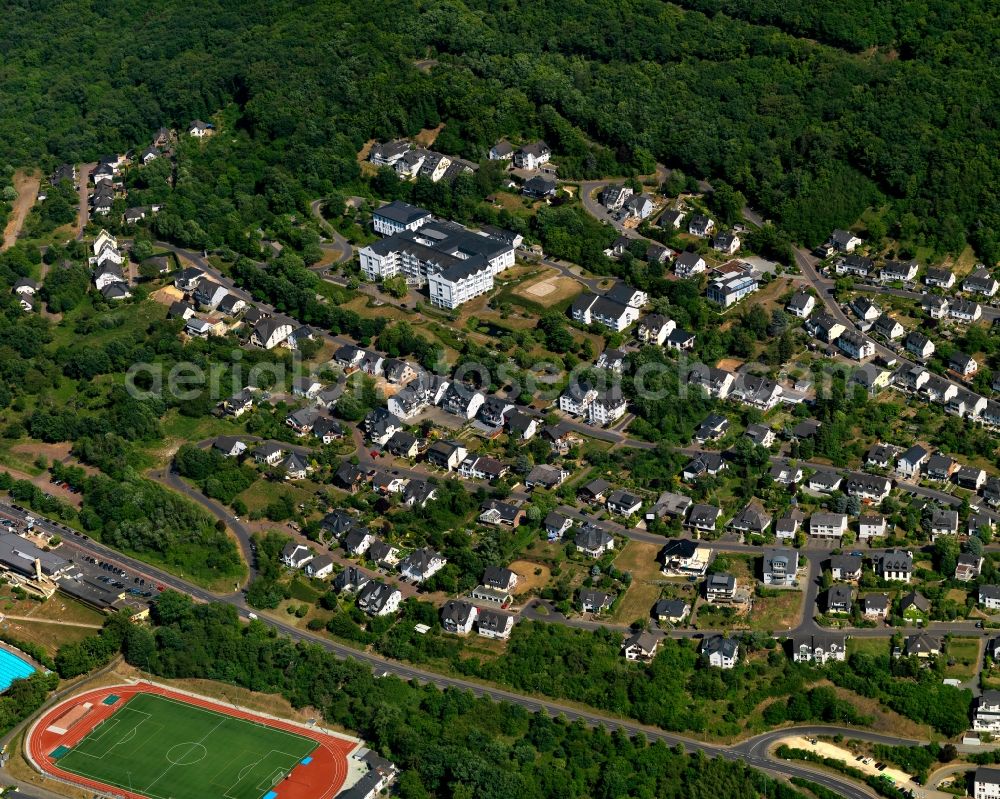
(402, 213)
(20, 555)
(497, 576)
(838, 595)
(725, 646)
(688, 259)
(591, 537)
(846, 563)
(456, 612)
(555, 520)
(493, 620)
(669, 607)
(896, 560)
(800, 299)
(644, 640)
(620, 292)
(876, 601)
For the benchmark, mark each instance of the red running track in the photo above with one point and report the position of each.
(320, 779)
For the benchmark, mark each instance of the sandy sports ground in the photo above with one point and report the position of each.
(549, 289)
(825, 749)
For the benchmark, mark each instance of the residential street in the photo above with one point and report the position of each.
(753, 751)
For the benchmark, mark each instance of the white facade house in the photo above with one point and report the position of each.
(986, 783)
(965, 310)
(607, 407)
(801, 304)
(533, 155)
(871, 526)
(895, 565)
(604, 310)
(722, 652)
(688, 264)
(398, 216)
(855, 346)
(819, 649)
(271, 332)
(827, 525)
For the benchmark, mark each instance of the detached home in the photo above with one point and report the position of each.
(721, 652)
(918, 344)
(801, 304)
(780, 566)
(827, 525)
(895, 565)
(593, 541)
(458, 616)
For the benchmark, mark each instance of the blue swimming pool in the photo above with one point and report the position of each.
(12, 668)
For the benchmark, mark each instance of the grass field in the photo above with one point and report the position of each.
(867, 646)
(963, 658)
(166, 749)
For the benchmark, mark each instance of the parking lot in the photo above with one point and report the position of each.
(16, 519)
(114, 576)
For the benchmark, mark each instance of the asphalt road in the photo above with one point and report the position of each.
(807, 262)
(752, 751)
(174, 482)
(341, 247)
(990, 313)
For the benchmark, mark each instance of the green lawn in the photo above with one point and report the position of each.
(264, 492)
(965, 654)
(166, 749)
(867, 646)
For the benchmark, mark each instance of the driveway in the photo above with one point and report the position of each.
(83, 212)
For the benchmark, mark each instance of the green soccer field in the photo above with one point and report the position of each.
(166, 749)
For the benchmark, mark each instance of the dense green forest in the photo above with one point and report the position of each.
(812, 110)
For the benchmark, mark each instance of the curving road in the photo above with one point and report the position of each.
(173, 481)
(753, 751)
(338, 245)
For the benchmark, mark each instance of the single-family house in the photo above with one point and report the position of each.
(780, 566)
(722, 652)
(593, 541)
(671, 611)
(494, 624)
(458, 616)
(895, 565)
(640, 646)
(421, 564)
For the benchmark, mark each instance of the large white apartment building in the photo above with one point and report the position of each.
(458, 263)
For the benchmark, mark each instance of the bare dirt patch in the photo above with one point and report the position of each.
(27, 192)
(41, 481)
(54, 452)
(168, 295)
(428, 136)
(825, 749)
(531, 577)
(365, 150)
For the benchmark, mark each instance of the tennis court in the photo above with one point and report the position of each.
(164, 748)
